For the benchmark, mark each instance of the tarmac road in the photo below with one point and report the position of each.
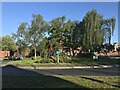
(4, 61)
(86, 71)
(111, 71)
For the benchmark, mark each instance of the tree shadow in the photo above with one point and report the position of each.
(100, 81)
(14, 77)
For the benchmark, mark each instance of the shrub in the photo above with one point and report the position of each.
(37, 58)
(64, 58)
(86, 55)
(53, 59)
(45, 61)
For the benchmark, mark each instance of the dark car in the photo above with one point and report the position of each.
(17, 58)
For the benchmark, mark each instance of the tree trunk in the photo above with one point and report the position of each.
(110, 40)
(73, 52)
(35, 53)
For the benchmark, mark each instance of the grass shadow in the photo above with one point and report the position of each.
(14, 77)
(100, 81)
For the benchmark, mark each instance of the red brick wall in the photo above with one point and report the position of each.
(3, 54)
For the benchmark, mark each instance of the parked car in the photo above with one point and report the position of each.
(17, 58)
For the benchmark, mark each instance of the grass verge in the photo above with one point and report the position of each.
(74, 62)
(42, 81)
(94, 81)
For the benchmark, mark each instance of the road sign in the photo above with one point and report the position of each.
(58, 52)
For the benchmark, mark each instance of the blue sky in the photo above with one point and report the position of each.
(15, 13)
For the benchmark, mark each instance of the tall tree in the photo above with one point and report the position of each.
(7, 43)
(43, 47)
(78, 34)
(70, 35)
(110, 28)
(31, 35)
(57, 31)
(21, 37)
(37, 31)
(92, 32)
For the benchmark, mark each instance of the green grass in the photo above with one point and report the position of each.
(87, 61)
(39, 81)
(74, 62)
(22, 62)
(60, 81)
(28, 62)
(94, 81)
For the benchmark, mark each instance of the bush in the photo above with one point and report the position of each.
(45, 61)
(37, 61)
(87, 55)
(64, 58)
(53, 59)
(37, 58)
(40, 61)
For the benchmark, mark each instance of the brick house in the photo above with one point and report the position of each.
(3, 54)
(26, 51)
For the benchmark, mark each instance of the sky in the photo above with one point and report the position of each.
(15, 13)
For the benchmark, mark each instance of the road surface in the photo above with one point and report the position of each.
(111, 71)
